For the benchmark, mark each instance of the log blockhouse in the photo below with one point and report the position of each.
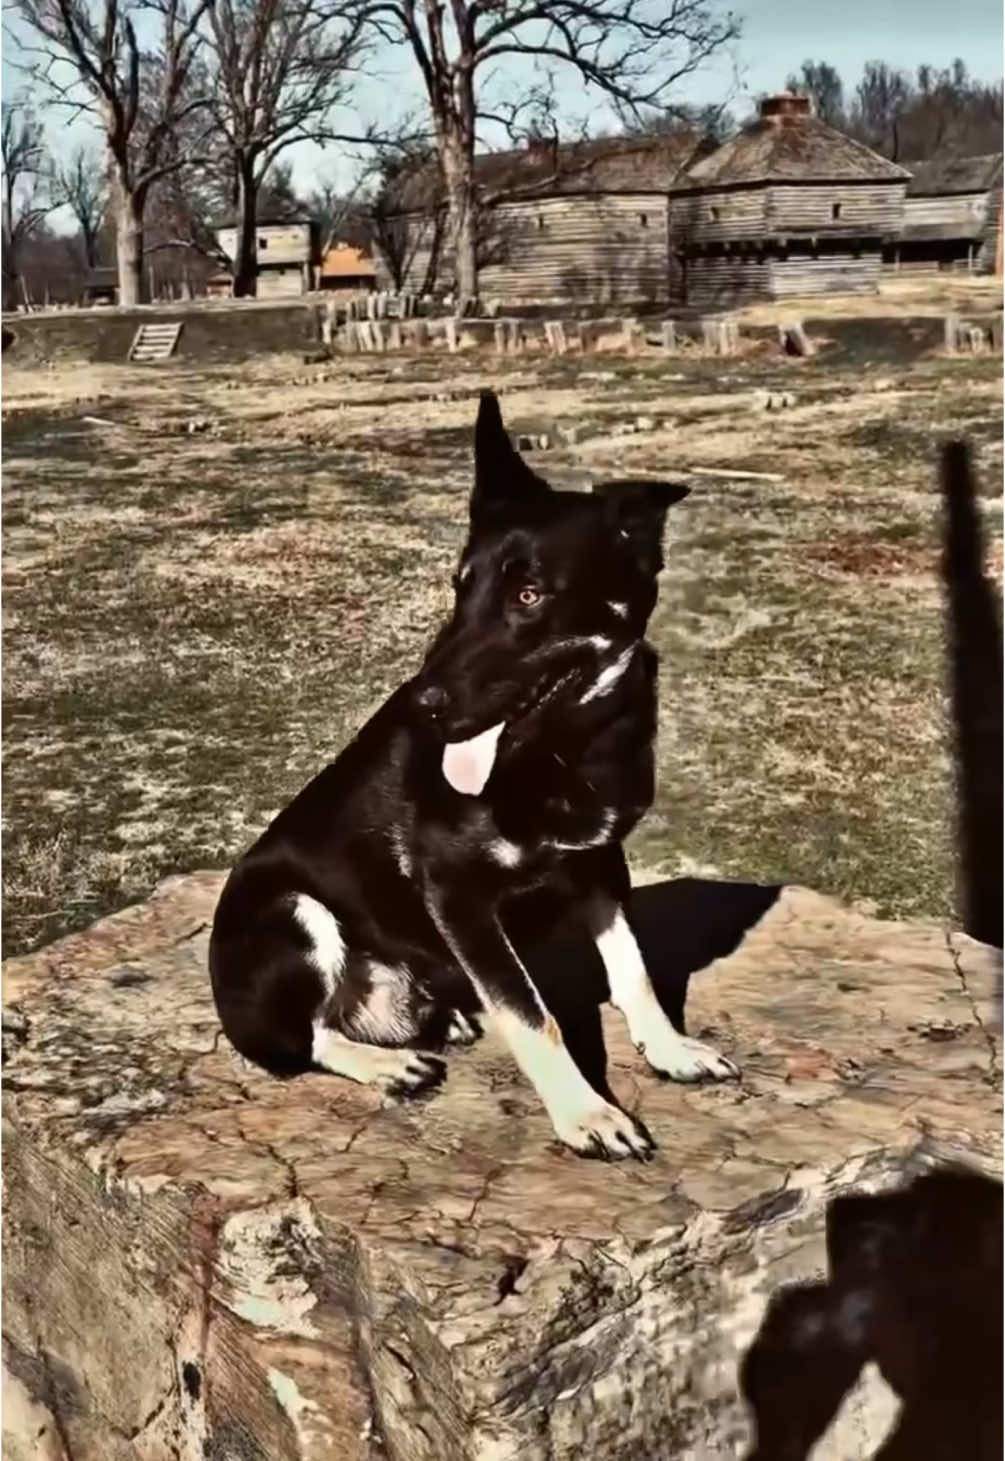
(789, 206)
(952, 214)
(560, 224)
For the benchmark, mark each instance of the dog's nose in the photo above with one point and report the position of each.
(432, 699)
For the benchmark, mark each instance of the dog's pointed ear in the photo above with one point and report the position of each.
(639, 509)
(502, 477)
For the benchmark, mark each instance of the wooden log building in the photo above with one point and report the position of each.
(286, 248)
(952, 215)
(575, 223)
(789, 206)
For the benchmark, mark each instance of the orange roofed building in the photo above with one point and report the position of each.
(344, 267)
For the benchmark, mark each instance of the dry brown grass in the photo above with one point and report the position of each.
(195, 623)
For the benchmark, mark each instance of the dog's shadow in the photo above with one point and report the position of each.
(681, 925)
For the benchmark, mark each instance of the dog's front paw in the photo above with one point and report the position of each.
(414, 1073)
(602, 1130)
(679, 1058)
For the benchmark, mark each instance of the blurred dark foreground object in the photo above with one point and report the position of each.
(974, 650)
(916, 1276)
(916, 1286)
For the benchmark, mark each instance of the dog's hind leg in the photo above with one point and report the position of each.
(398, 1072)
(364, 1001)
(669, 1052)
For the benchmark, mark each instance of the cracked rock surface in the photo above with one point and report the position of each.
(202, 1263)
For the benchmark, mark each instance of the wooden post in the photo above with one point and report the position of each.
(499, 336)
(950, 333)
(328, 322)
(668, 335)
(394, 335)
(450, 326)
(794, 339)
(377, 335)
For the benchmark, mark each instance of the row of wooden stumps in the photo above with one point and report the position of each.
(962, 337)
(382, 304)
(510, 336)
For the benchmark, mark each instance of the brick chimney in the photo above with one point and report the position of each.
(784, 104)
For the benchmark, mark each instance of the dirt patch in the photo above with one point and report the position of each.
(868, 558)
(195, 623)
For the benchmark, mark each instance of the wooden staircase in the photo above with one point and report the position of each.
(153, 343)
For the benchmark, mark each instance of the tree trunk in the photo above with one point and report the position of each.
(246, 256)
(458, 175)
(129, 244)
(90, 236)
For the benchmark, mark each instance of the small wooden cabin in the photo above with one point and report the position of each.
(952, 214)
(286, 249)
(100, 286)
(582, 222)
(789, 206)
(347, 270)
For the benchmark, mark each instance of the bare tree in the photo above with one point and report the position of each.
(949, 112)
(280, 70)
(822, 83)
(714, 121)
(631, 51)
(342, 214)
(881, 99)
(397, 237)
(81, 185)
(143, 99)
(25, 202)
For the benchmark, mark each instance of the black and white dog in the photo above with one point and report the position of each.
(487, 797)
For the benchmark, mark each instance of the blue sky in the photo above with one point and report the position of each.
(777, 36)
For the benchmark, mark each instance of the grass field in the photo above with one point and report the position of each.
(195, 621)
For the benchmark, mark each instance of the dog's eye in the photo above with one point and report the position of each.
(528, 596)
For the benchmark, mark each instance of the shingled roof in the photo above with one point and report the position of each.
(787, 144)
(546, 169)
(941, 176)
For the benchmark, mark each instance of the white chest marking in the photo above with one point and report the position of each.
(505, 853)
(602, 835)
(400, 851)
(609, 676)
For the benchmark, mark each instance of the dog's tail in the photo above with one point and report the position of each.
(974, 646)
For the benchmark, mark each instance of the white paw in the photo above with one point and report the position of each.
(682, 1059)
(602, 1130)
(463, 1029)
(407, 1073)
